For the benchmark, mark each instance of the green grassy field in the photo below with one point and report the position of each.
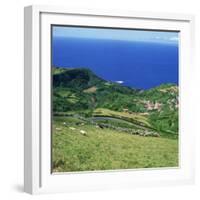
(132, 117)
(80, 146)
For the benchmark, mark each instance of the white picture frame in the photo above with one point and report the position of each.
(37, 138)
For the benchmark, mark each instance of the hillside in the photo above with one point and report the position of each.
(100, 125)
(103, 149)
(78, 91)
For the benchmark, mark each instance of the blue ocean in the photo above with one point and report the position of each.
(137, 64)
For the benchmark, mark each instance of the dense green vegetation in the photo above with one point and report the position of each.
(81, 90)
(112, 118)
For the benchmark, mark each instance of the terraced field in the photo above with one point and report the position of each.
(131, 117)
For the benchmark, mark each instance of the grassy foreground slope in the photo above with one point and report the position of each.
(104, 149)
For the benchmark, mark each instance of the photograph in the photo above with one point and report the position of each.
(114, 98)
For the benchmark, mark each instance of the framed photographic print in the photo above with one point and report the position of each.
(107, 99)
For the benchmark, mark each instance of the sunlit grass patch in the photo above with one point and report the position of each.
(106, 149)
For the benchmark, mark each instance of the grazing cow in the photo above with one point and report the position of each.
(156, 134)
(83, 132)
(147, 134)
(100, 126)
